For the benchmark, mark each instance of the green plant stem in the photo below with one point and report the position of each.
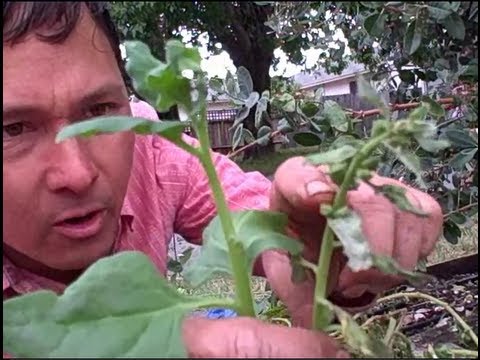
(328, 239)
(441, 303)
(469, 354)
(238, 259)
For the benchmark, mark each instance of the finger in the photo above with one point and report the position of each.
(431, 225)
(408, 235)
(298, 297)
(298, 189)
(378, 218)
(251, 338)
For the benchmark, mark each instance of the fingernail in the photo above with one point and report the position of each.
(317, 187)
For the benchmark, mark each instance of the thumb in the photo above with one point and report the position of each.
(251, 338)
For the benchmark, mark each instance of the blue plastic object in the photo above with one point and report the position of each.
(219, 313)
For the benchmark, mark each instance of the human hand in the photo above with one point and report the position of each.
(251, 338)
(298, 190)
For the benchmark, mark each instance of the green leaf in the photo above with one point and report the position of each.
(262, 105)
(307, 138)
(242, 114)
(438, 10)
(310, 109)
(397, 196)
(171, 130)
(455, 26)
(434, 108)
(346, 140)
(139, 64)
(257, 231)
(245, 83)
(181, 57)
(407, 76)
(469, 73)
(388, 266)
(231, 85)
(288, 102)
(216, 85)
(425, 132)
(367, 92)
(459, 161)
(333, 156)
(252, 99)
(451, 232)
(375, 24)
(357, 340)
(371, 4)
(248, 136)
(335, 115)
(348, 229)
(264, 131)
(410, 160)
(120, 307)
(237, 138)
(458, 218)
(413, 38)
(461, 138)
(171, 89)
(284, 126)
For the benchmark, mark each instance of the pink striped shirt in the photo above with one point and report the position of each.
(168, 193)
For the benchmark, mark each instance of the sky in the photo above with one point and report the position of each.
(219, 65)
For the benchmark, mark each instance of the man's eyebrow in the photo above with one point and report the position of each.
(102, 92)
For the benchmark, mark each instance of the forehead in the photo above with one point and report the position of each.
(35, 70)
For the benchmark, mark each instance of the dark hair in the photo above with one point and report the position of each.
(53, 22)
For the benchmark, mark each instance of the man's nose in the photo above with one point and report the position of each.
(71, 167)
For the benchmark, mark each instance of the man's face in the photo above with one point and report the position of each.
(61, 202)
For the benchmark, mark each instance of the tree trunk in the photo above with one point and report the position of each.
(250, 45)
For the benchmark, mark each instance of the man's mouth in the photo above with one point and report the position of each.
(81, 224)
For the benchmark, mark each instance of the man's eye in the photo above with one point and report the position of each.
(101, 109)
(15, 129)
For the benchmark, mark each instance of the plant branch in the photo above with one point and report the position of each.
(466, 207)
(307, 264)
(443, 304)
(236, 251)
(243, 148)
(327, 246)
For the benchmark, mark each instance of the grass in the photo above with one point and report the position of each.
(445, 251)
(268, 164)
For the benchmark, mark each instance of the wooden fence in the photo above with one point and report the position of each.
(220, 121)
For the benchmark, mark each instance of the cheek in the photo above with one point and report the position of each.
(114, 154)
(20, 202)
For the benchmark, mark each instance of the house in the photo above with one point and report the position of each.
(343, 88)
(332, 84)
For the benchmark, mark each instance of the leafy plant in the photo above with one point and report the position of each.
(121, 307)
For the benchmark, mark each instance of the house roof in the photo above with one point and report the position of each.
(319, 77)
